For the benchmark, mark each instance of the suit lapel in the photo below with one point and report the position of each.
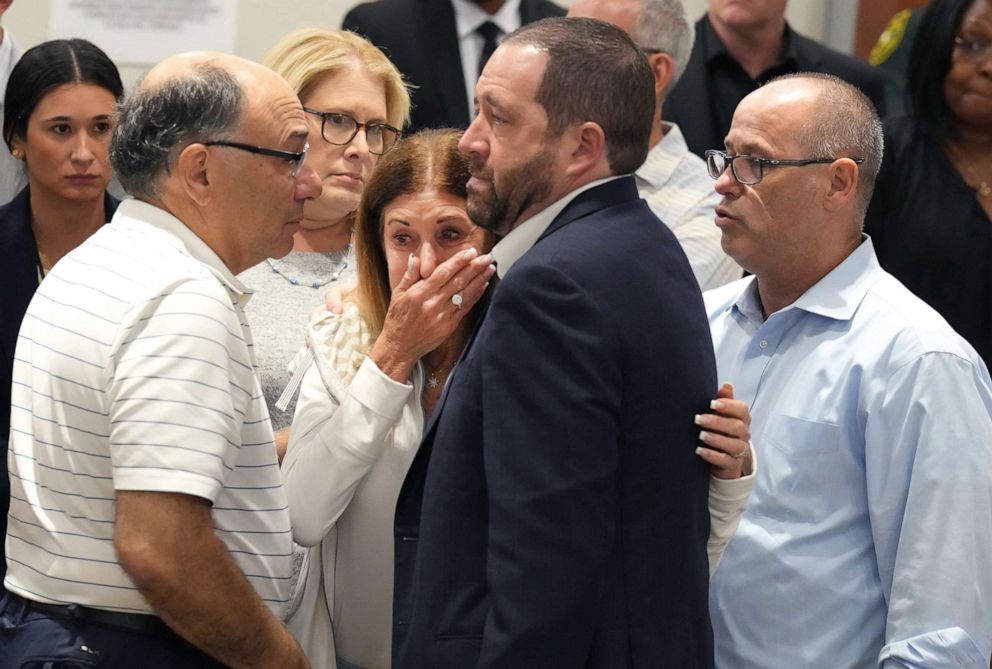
(440, 43)
(614, 192)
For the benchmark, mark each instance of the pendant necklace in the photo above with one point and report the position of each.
(434, 378)
(983, 187)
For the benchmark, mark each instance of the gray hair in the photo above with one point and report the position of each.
(845, 125)
(663, 25)
(156, 122)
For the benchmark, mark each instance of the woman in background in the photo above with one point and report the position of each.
(58, 116)
(931, 216)
(356, 103)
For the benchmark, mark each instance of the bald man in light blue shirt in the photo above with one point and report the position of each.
(868, 538)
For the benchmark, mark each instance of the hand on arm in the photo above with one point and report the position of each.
(166, 544)
(334, 299)
(726, 434)
(421, 314)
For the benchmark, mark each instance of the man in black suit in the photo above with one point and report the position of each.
(741, 44)
(556, 515)
(426, 40)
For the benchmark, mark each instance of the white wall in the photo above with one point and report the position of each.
(262, 22)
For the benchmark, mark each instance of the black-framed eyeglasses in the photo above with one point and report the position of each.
(340, 129)
(297, 159)
(749, 170)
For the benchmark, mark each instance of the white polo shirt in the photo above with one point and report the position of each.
(134, 371)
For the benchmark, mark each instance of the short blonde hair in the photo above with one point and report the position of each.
(304, 55)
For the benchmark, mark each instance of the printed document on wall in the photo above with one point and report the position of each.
(143, 32)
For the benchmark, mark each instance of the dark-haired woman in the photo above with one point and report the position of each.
(931, 216)
(57, 119)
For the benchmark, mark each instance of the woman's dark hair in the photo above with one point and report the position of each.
(46, 67)
(929, 63)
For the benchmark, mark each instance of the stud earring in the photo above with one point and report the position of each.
(17, 153)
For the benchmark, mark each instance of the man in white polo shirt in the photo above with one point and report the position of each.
(147, 520)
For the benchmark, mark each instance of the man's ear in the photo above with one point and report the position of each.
(843, 188)
(663, 68)
(193, 169)
(588, 149)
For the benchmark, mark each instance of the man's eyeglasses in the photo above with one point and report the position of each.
(340, 129)
(749, 170)
(296, 159)
(974, 49)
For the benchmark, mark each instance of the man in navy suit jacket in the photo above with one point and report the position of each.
(556, 515)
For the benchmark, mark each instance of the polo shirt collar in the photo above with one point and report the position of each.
(187, 240)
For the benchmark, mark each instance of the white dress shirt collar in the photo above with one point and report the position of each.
(519, 240)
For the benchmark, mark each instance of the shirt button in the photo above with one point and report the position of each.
(763, 343)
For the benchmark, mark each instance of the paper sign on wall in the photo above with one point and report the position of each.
(143, 32)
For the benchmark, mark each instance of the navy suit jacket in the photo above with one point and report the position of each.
(421, 39)
(556, 513)
(19, 277)
(690, 105)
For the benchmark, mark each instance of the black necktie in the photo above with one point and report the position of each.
(490, 35)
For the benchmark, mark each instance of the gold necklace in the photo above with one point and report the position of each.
(983, 188)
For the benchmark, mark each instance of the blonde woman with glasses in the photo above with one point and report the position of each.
(356, 103)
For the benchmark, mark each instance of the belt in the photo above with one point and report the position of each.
(129, 622)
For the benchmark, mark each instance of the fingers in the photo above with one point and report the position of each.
(726, 392)
(726, 425)
(736, 409)
(725, 437)
(476, 287)
(410, 276)
(334, 298)
(724, 466)
(456, 272)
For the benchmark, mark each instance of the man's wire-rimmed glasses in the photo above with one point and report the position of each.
(297, 159)
(749, 170)
(340, 129)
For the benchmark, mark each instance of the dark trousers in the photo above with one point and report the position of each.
(35, 640)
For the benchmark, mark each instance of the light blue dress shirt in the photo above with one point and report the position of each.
(868, 538)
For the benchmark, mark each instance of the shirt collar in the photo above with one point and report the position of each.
(521, 238)
(837, 295)
(469, 16)
(187, 240)
(664, 157)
